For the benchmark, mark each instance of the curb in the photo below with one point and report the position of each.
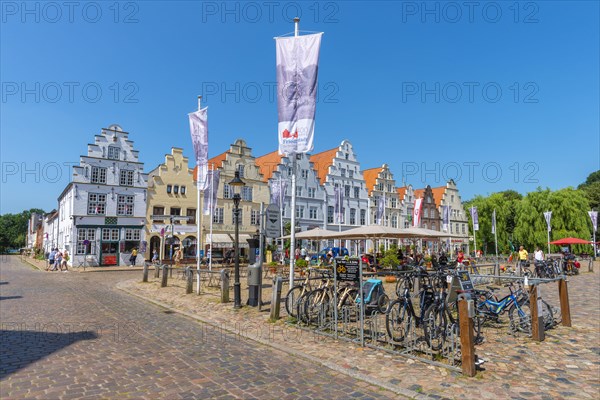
(357, 375)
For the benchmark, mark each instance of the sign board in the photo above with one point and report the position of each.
(272, 221)
(347, 270)
(461, 281)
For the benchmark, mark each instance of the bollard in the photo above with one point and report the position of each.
(565, 309)
(224, 286)
(537, 318)
(157, 271)
(276, 300)
(467, 344)
(165, 274)
(190, 280)
(145, 278)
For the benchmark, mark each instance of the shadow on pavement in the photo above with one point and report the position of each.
(19, 348)
(10, 297)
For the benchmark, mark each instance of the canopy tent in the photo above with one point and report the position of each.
(314, 234)
(570, 240)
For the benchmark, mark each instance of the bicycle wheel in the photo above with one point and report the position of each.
(397, 320)
(520, 317)
(315, 305)
(548, 316)
(349, 299)
(434, 326)
(291, 301)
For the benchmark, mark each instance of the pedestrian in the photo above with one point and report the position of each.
(538, 255)
(133, 257)
(65, 261)
(155, 257)
(303, 252)
(460, 257)
(523, 256)
(178, 256)
(51, 259)
(58, 257)
(297, 253)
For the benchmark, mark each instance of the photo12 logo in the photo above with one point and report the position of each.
(54, 12)
(252, 12)
(454, 12)
(254, 92)
(470, 92)
(69, 92)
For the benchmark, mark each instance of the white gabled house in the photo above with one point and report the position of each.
(102, 211)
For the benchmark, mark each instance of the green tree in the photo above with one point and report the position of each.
(592, 178)
(13, 229)
(592, 192)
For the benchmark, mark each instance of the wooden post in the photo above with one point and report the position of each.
(565, 309)
(537, 318)
(224, 286)
(190, 280)
(467, 344)
(276, 299)
(165, 274)
(145, 277)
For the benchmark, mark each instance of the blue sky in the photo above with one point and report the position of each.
(498, 96)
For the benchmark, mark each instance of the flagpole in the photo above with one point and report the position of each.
(474, 232)
(212, 209)
(198, 218)
(496, 242)
(293, 205)
(281, 197)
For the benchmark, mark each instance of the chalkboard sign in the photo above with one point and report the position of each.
(347, 270)
(464, 278)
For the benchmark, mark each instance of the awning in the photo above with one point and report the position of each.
(226, 240)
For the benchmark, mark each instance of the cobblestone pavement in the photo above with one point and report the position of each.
(69, 335)
(565, 365)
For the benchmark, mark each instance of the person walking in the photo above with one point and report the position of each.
(51, 259)
(538, 254)
(58, 257)
(133, 257)
(523, 257)
(178, 256)
(155, 257)
(65, 261)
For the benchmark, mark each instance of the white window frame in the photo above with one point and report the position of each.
(98, 175)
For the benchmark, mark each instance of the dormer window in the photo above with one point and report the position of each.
(113, 152)
(169, 189)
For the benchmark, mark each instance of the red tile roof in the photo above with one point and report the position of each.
(370, 176)
(322, 161)
(438, 194)
(217, 161)
(401, 192)
(267, 164)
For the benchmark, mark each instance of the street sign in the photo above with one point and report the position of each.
(348, 270)
(272, 224)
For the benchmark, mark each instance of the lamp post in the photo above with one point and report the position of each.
(237, 295)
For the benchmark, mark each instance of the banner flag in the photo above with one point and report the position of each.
(446, 218)
(417, 213)
(297, 60)
(339, 203)
(210, 191)
(494, 222)
(380, 209)
(594, 217)
(475, 218)
(548, 216)
(199, 132)
(278, 189)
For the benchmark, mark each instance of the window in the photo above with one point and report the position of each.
(394, 221)
(125, 205)
(98, 175)
(96, 204)
(227, 191)
(132, 234)
(110, 234)
(343, 172)
(394, 202)
(312, 212)
(363, 217)
(350, 173)
(169, 189)
(347, 190)
(113, 153)
(304, 173)
(126, 178)
(356, 192)
(330, 214)
(299, 211)
(158, 211)
(425, 225)
(83, 235)
(176, 189)
(347, 155)
(183, 190)
(312, 192)
(175, 211)
(290, 170)
(433, 226)
(429, 199)
(240, 169)
(191, 214)
(389, 187)
(247, 193)
(254, 217)
(298, 191)
(426, 213)
(241, 216)
(218, 216)
(463, 228)
(352, 216)
(380, 186)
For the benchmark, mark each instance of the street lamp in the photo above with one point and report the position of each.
(237, 295)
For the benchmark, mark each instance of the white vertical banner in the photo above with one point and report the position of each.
(548, 217)
(210, 192)
(339, 204)
(380, 209)
(278, 189)
(494, 222)
(475, 217)
(594, 217)
(446, 218)
(199, 132)
(417, 213)
(297, 61)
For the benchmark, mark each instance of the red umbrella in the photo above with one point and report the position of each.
(571, 240)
